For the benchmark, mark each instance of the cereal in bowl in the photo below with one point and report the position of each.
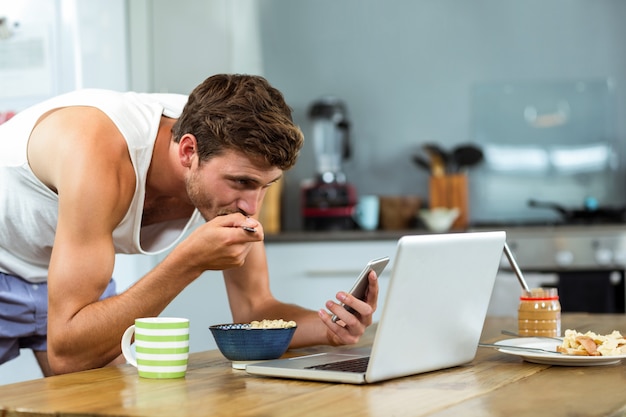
(272, 324)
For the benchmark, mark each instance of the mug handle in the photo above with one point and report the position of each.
(126, 342)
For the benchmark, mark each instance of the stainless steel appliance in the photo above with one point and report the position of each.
(328, 199)
(589, 261)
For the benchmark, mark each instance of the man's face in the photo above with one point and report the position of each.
(229, 183)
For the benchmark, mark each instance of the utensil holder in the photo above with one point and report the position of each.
(451, 191)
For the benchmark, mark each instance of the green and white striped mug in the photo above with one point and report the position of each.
(161, 347)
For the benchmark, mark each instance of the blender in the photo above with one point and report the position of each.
(328, 200)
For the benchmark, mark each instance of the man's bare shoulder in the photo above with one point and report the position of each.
(83, 137)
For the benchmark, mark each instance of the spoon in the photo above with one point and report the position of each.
(518, 272)
(510, 333)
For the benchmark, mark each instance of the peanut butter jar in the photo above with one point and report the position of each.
(539, 313)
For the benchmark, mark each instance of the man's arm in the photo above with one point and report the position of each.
(250, 299)
(80, 154)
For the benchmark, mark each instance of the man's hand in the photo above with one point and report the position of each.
(349, 327)
(221, 243)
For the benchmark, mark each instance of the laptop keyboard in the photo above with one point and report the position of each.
(350, 365)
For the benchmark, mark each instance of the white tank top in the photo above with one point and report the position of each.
(29, 209)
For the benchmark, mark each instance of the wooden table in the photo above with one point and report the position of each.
(494, 384)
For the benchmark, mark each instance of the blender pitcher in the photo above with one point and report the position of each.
(330, 138)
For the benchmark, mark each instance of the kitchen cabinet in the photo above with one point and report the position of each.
(309, 273)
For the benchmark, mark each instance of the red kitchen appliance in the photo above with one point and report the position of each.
(328, 200)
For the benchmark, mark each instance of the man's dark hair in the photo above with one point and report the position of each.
(242, 113)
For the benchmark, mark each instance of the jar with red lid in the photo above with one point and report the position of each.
(539, 313)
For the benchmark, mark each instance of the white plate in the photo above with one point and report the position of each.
(553, 358)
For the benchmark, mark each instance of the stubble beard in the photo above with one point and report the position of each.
(207, 210)
(194, 195)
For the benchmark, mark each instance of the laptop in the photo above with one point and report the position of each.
(431, 319)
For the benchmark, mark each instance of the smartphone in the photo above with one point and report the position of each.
(359, 288)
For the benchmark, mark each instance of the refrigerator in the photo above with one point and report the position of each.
(48, 47)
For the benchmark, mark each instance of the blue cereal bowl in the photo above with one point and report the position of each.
(240, 342)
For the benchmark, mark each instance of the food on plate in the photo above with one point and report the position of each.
(592, 344)
(272, 324)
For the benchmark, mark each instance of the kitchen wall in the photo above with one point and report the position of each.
(406, 69)
(175, 45)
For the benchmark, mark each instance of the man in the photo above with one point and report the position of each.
(93, 173)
